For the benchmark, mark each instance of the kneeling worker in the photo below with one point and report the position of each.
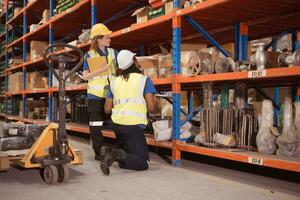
(131, 95)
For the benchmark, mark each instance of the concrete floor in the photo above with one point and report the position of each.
(162, 181)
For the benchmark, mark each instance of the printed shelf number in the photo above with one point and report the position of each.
(126, 30)
(257, 74)
(255, 161)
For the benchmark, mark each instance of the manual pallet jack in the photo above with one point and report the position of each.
(51, 152)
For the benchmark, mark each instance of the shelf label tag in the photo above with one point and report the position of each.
(257, 74)
(255, 161)
(126, 30)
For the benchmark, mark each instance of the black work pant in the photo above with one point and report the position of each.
(97, 118)
(133, 141)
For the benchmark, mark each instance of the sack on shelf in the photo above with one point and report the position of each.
(265, 140)
(287, 141)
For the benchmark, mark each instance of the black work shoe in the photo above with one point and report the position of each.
(104, 151)
(118, 155)
(104, 165)
(114, 155)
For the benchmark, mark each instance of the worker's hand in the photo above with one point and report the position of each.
(101, 70)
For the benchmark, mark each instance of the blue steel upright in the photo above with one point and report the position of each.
(176, 161)
(295, 46)
(24, 58)
(50, 76)
(93, 13)
(6, 60)
(276, 89)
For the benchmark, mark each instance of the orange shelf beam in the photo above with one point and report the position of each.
(246, 157)
(15, 42)
(14, 67)
(135, 27)
(162, 81)
(69, 10)
(14, 118)
(200, 6)
(110, 134)
(269, 73)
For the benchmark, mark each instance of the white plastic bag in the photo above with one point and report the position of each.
(265, 140)
(287, 141)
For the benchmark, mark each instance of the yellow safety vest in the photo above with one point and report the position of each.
(129, 105)
(98, 85)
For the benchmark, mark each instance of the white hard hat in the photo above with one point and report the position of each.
(125, 59)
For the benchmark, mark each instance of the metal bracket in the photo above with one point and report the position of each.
(191, 21)
(266, 96)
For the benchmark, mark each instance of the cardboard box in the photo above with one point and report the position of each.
(15, 82)
(192, 46)
(4, 162)
(33, 27)
(156, 12)
(37, 49)
(46, 16)
(230, 48)
(141, 14)
(17, 10)
(149, 65)
(169, 7)
(36, 81)
(17, 61)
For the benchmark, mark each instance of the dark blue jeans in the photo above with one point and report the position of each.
(131, 138)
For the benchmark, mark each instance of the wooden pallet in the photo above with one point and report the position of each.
(7, 158)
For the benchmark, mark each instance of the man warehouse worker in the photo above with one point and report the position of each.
(98, 69)
(131, 95)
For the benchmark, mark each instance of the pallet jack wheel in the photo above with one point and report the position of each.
(63, 173)
(50, 174)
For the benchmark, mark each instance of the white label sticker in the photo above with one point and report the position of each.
(255, 161)
(126, 30)
(257, 74)
(13, 131)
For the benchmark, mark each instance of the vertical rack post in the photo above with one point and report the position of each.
(276, 90)
(296, 46)
(241, 46)
(93, 13)
(24, 59)
(6, 59)
(50, 76)
(142, 50)
(176, 87)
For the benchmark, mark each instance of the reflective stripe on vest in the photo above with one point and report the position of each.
(98, 85)
(129, 103)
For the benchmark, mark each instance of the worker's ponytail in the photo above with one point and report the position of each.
(126, 73)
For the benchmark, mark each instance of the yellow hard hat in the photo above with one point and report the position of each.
(99, 29)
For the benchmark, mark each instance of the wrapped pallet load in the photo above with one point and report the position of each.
(19, 136)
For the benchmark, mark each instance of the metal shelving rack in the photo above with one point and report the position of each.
(247, 20)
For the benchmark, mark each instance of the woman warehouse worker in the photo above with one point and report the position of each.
(130, 96)
(98, 69)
